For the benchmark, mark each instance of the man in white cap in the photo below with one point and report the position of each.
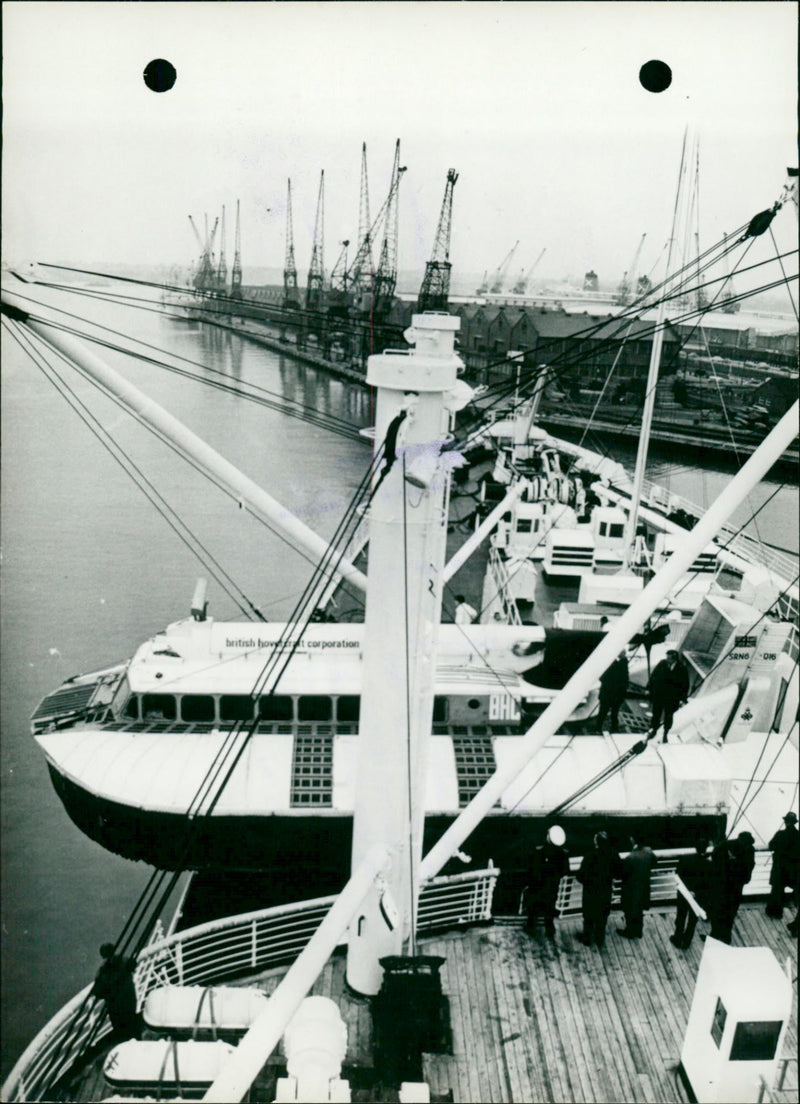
(549, 864)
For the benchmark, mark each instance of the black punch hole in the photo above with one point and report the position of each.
(160, 75)
(655, 76)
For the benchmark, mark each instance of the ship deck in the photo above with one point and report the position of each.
(535, 1020)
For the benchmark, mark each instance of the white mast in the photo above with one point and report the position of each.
(652, 379)
(407, 534)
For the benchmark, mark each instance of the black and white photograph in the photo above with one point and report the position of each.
(400, 543)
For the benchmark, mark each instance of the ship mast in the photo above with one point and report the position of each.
(407, 535)
(652, 380)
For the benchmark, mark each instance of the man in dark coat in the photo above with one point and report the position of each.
(597, 872)
(785, 848)
(635, 893)
(669, 688)
(613, 691)
(549, 864)
(114, 985)
(732, 865)
(693, 871)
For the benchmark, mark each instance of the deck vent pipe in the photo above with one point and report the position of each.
(199, 601)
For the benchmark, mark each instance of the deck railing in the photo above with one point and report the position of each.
(783, 564)
(228, 948)
(257, 941)
(662, 881)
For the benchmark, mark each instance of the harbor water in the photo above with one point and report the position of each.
(90, 569)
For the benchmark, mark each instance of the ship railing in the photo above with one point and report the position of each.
(784, 1087)
(223, 950)
(783, 564)
(500, 587)
(662, 880)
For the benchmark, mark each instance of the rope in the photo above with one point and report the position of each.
(162, 506)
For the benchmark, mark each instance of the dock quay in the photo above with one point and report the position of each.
(701, 440)
(674, 432)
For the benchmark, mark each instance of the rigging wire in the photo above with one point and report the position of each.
(145, 485)
(207, 475)
(263, 396)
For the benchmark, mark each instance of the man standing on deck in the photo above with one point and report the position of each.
(114, 985)
(785, 848)
(613, 691)
(732, 863)
(549, 865)
(597, 872)
(669, 688)
(464, 614)
(693, 871)
(635, 894)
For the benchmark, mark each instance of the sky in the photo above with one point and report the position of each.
(537, 105)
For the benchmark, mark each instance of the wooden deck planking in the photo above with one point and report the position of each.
(591, 1088)
(555, 1000)
(535, 1020)
(615, 1065)
(513, 1051)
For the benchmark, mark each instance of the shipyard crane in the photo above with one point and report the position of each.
(316, 270)
(484, 284)
(385, 279)
(356, 281)
(521, 286)
(500, 275)
(435, 289)
(204, 277)
(291, 296)
(627, 285)
(222, 267)
(236, 269)
(337, 295)
(361, 271)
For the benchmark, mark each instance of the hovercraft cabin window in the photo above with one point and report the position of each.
(236, 707)
(314, 707)
(198, 707)
(159, 707)
(276, 707)
(348, 708)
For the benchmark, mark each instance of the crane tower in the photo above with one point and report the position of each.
(316, 270)
(435, 288)
(222, 268)
(361, 271)
(291, 297)
(500, 275)
(236, 269)
(385, 279)
(521, 286)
